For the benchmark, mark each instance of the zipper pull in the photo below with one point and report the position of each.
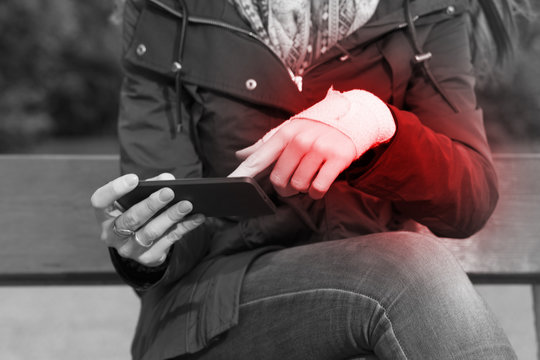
(297, 79)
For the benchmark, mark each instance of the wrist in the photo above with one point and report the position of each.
(358, 114)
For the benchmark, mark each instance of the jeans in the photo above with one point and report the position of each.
(395, 295)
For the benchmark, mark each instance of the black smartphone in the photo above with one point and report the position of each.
(218, 197)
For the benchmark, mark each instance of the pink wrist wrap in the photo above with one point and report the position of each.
(359, 114)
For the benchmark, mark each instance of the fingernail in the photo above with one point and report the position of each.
(131, 179)
(185, 206)
(166, 194)
(199, 219)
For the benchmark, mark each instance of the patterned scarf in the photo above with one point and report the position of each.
(299, 31)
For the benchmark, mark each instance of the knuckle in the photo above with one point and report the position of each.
(324, 147)
(153, 204)
(174, 235)
(175, 213)
(287, 131)
(177, 233)
(340, 152)
(277, 180)
(302, 142)
(149, 233)
(299, 184)
(129, 221)
(170, 239)
(334, 151)
(318, 188)
(191, 225)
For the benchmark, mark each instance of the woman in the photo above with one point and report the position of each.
(359, 119)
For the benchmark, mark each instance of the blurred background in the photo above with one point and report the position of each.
(60, 74)
(59, 82)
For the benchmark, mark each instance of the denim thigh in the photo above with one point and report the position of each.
(398, 295)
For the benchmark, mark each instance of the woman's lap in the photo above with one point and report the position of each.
(400, 295)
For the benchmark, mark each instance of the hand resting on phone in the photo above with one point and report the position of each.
(137, 233)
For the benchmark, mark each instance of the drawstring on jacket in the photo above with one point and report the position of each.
(177, 68)
(177, 124)
(421, 57)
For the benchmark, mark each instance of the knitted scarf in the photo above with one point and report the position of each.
(299, 31)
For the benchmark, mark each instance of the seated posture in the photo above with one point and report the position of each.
(358, 118)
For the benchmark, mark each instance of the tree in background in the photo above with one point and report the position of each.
(508, 88)
(59, 72)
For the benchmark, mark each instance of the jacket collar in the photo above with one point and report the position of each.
(389, 17)
(391, 12)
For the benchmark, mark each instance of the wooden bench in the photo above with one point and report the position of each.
(49, 236)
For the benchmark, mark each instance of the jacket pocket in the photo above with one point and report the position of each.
(153, 44)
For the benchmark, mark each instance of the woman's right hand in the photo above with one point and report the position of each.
(135, 233)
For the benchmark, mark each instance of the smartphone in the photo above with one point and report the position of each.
(217, 197)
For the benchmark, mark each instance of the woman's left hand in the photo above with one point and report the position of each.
(308, 156)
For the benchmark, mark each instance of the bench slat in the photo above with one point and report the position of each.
(48, 233)
(508, 248)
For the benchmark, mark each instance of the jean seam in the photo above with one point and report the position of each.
(284, 295)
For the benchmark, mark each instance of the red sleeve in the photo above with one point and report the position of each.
(438, 170)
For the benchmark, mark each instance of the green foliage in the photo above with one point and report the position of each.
(59, 70)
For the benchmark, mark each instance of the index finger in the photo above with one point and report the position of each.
(261, 158)
(106, 195)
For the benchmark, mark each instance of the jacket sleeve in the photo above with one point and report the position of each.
(147, 103)
(437, 169)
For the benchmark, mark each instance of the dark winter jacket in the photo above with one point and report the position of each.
(199, 87)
